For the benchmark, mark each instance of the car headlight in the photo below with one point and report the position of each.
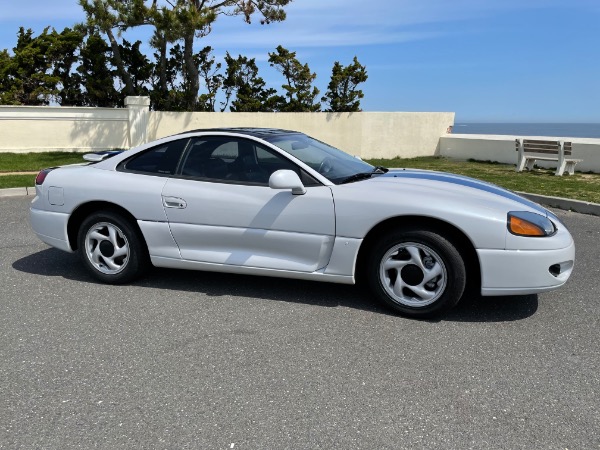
(524, 223)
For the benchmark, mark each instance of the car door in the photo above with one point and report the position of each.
(221, 210)
(138, 189)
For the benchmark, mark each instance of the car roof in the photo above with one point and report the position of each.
(250, 131)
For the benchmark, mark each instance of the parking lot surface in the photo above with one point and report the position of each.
(197, 360)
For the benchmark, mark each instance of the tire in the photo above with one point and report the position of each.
(111, 248)
(418, 273)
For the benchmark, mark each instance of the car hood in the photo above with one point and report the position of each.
(477, 208)
(457, 183)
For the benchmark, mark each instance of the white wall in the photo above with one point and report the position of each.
(369, 135)
(46, 128)
(365, 134)
(500, 148)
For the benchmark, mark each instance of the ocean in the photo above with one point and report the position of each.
(575, 130)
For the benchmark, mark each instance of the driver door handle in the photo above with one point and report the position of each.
(174, 202)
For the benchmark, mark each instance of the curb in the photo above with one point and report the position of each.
(13, 192)
(564, 203)
(554, 202)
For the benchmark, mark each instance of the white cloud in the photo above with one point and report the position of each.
(313, 38)
(313, 23)
(332, 23)
(409, 12)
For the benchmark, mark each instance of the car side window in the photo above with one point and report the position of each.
(235, 160)
(161, 160)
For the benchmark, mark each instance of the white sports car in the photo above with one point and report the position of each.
(279, 203)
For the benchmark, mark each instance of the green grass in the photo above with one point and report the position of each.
(31, 162)
(580, 186)
(12, 181)
(585, 187)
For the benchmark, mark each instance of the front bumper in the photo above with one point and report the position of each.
(520, 272)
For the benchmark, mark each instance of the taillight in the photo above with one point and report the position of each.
(42, 175)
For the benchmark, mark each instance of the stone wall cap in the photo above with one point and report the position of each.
(137, 101)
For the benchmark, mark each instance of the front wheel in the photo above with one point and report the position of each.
(111, 248)
(418, 273)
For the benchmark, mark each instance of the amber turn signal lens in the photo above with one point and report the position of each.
(522, 227)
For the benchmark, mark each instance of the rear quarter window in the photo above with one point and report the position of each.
(160, 160)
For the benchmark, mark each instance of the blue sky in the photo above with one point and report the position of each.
(486, 60)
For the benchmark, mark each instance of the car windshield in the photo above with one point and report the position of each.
(337, 166)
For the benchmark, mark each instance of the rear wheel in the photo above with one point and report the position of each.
(111, 248)
(418, 273)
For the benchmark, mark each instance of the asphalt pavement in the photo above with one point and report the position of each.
(194, 360)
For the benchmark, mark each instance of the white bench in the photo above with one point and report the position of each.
(531, 150)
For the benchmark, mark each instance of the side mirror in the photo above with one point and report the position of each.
(287, 179)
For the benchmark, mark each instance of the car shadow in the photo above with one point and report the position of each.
(475, 308)
(55, 263)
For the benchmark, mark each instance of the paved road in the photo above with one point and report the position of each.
(186, 360)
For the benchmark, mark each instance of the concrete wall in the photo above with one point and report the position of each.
(46, 128)
(365, 134)
(369, 135)
(499, 148)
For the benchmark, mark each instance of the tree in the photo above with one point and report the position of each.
(34, 85)
(79, 67)
(7, 82)
(40, 67)
(97, 74)
(167, 84)
(106, 16)
(195, 18)
(213, 80)
(300, 94)
(342, 94)
(242, 78)
(137, 66)
(8, 94)
(172, 87)
(65, 53)
(164, 69)
(174, 21)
